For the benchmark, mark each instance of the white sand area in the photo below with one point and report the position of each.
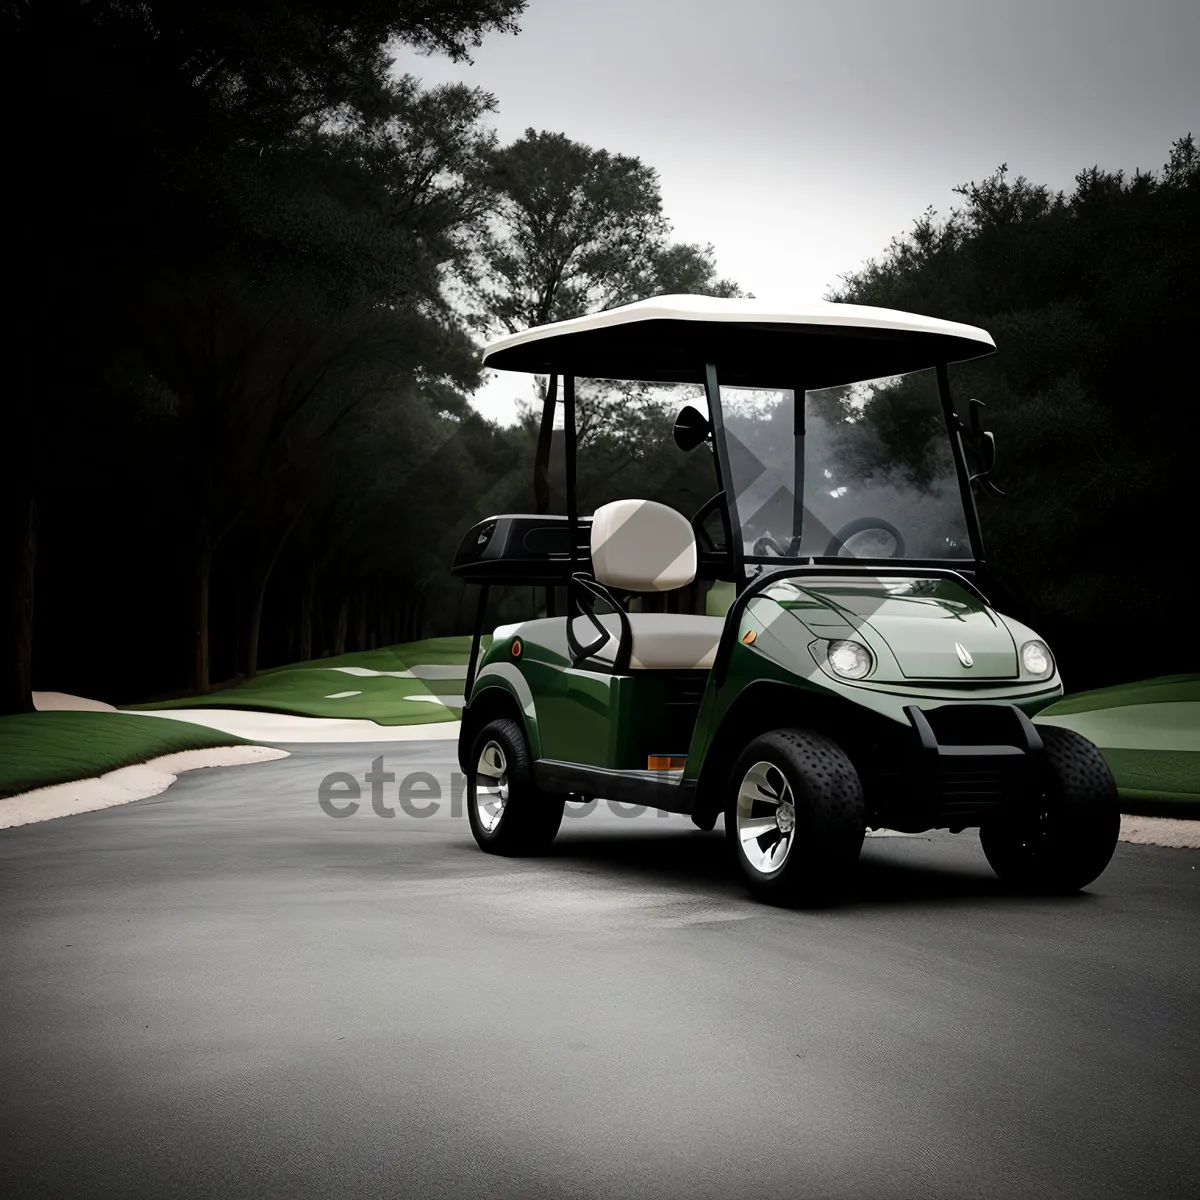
(265, 726)
(282, 727)
(124, 785)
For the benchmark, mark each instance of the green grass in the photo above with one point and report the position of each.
(1178, 689)
(43, 748)
(1149, 734)
(304, 689)
(720, 599)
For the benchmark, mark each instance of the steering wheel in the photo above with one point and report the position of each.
(766, 545)
(856, 539)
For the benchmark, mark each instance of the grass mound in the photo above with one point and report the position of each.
(1149, 733)
(1168, 689)
(408, 684)
(44, 748)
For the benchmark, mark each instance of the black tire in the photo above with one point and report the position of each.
(1066, 841)
(829, 818)
(529, 818)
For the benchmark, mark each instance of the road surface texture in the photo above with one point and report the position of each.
(224, 992)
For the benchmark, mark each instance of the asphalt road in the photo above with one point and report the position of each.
(224, 991)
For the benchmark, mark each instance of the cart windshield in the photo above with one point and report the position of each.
(868, 473)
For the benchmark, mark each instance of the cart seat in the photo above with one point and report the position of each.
(642, 546)
(637, 546)
(661, 641)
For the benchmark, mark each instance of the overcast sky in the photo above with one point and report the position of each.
(798, 137)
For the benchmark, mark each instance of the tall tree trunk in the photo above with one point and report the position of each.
(361, 622)
(307, 600)
(260, 576)
(22, 529)
(198, 682)
(258, 591)
(339, 632)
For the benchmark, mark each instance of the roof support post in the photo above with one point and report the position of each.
(712, 391)
(798, 431)
(476, 638)
(954, 427)
(541, 464)
(572, 491)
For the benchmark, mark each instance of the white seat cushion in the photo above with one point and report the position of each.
(642, 546)
(661, 641)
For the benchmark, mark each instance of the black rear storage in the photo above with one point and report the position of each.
(523, 548)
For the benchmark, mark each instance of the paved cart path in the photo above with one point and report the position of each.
(223, 991)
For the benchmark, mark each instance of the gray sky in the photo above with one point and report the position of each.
(798, 137)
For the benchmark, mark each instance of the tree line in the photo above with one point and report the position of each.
(252, 266)
(1093, 299)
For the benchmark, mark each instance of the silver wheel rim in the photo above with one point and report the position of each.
(491, 786)
(765, 818)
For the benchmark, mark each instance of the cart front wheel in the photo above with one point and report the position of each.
(507, 811)
(795, 817)
(1066, 840)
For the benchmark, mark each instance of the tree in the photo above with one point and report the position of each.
(1093, 299)
(178, 99)
(577, 230)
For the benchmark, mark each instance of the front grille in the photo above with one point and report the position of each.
(970, 812)
(965, 783)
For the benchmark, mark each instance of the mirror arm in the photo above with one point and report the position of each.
(981, 481)
(976, 427)
(980, 439)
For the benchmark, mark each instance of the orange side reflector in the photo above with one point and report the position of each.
(516, 648)
(666, 762)
(750, 636)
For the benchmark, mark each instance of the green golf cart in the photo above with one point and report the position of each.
(854, 676)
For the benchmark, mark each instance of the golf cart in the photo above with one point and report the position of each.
(859, 676)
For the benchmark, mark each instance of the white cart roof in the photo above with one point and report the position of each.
(806, 345)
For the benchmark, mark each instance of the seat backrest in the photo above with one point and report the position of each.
(641, 546)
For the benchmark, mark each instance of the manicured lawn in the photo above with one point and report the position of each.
(44, 748)
(1174, 689)
(1149, 733)
(375, 685)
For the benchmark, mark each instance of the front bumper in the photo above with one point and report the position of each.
(963, 764)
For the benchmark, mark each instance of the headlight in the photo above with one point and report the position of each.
(850, 660)
(1035, 657)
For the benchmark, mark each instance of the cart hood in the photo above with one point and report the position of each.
(923, 622)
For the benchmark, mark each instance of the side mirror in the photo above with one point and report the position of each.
(985, 446)
(692, 428)
(987, 452)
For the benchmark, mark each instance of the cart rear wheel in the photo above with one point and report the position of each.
(1066, 841)
(507, 812)
(795, 817)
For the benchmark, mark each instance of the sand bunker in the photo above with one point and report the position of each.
(123, 785)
